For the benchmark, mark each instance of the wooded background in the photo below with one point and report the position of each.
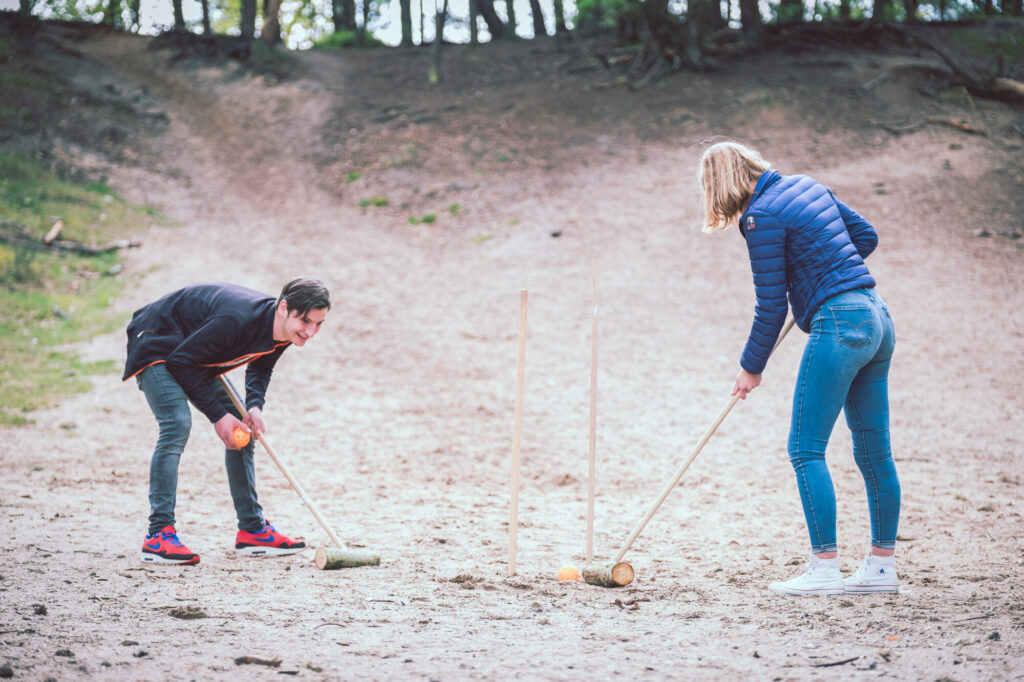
(679, 30)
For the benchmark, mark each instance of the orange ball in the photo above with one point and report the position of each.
(241, 437)
(568, 572)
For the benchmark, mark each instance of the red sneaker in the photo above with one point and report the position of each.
(165, 548)
(268, 542)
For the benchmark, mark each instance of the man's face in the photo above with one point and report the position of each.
(299, 328)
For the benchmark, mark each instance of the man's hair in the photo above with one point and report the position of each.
(303, 294)
(727, 170)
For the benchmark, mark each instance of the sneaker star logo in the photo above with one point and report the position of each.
(881, 571)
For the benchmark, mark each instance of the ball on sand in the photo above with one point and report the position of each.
(241, 437)
(568, 572)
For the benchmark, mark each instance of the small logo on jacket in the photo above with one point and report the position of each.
(750, 222)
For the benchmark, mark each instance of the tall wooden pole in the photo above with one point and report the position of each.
(591, 467)
(513, 525)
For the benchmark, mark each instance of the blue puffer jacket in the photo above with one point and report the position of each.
(802, 242)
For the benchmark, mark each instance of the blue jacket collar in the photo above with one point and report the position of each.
(767, 178)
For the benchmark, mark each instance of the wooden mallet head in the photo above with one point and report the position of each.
(332, 558)
(608, 575)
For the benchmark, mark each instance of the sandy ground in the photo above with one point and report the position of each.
(398, 417)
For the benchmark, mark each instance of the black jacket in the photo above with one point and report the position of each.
(204, 331)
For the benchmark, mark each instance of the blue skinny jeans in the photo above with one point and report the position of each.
(845, 366)
(169, 404)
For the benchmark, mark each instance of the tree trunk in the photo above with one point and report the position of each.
(247, 25)
(494, 25)
(347, 14)
(474, 32)
(179, 17)
(511, 33)
(338, 15)
(25, 6)
(696, 22)
(878, 11)
(844, 9)
(752, 25)
(910, 7)
(133, 7)
(1013, 7)
(662, 25)
(560, 17)
(539, 29)
(406, 6)
(361, 31)
(207, 28)
(435, 50)
(423, 23)
(989, 8)
(271, 31)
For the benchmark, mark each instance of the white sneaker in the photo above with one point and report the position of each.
(822, 577)
(876, 574)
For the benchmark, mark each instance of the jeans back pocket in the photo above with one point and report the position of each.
(853, 324)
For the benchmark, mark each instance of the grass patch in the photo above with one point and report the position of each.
(373, 201)
(52, 298)
(343, 39)
(454, 209)
(428, 218)
(352, 176)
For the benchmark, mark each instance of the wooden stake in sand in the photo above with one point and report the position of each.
(619, 573)
(591, 468)
(513, 524)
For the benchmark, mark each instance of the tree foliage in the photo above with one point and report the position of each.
(677, 29)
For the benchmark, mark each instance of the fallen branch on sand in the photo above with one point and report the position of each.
(835, 663)
(958, 123)
(247, 660)
(66, 245)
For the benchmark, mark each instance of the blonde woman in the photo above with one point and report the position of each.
(809, 247)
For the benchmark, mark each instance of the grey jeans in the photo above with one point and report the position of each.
(169, 404)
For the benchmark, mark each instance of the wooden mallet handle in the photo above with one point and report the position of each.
(689, 460)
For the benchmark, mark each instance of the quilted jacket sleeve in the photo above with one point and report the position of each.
(766, 245)
(862, 234)
(257, 378)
